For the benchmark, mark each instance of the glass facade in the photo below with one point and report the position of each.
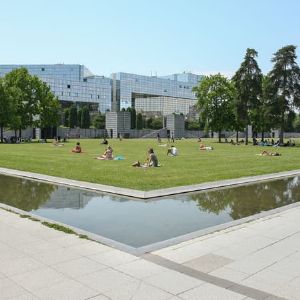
(166, 94)
(75, 83)
(71, 83)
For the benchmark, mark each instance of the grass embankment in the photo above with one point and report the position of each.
(190, 167)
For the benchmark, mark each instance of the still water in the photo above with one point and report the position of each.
(142, 222)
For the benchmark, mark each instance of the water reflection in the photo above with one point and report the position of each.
(24, 194)
(138, 222)
(250, 199)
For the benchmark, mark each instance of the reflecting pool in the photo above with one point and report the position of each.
(138, 222)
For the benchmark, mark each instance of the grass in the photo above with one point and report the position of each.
(190, 167)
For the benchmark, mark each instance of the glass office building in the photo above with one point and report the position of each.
(76, 84)
(71, 83)
(166, 94)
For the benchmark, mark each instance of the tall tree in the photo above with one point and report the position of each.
(85, 118)
(248, 83)
(99, 121)
(139, 121)
(133, 118)
(66, 117)
(285, 85)
(263, 119)
(73, 116)
(48, 106)
(216, 96)
(79, 115)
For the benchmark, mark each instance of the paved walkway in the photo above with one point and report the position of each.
(255, 260)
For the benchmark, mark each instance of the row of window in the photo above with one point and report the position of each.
(77, 95)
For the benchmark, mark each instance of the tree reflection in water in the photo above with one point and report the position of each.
(24, 194)
(248, 200)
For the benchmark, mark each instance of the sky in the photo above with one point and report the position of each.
(157, 37)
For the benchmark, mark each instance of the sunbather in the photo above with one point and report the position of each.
(107, 155)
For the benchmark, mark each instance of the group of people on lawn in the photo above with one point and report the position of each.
(152, 160)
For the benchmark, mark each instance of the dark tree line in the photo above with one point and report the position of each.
(74, 117)
(26, 101)
(250, 98)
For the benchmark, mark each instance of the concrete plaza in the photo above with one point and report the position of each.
(254, 260)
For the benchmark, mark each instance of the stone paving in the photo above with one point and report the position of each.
(254, 260)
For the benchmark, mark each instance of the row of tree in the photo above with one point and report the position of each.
(26, 101)
(251, 98)
(74, 117)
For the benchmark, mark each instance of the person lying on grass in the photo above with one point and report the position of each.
(203, 147)
(152, 160)
(77, 148)
(266, 153)
(107, 155)
(56, 143)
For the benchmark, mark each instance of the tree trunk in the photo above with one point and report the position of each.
(262, 136)
(246, 135)
(20, 133)
(15, 133)
(1, 133)
(219, 136)
(237, 136)
(281, 129)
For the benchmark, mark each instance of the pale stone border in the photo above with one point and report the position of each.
(147, 194)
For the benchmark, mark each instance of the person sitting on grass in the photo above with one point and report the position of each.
(107, 155)
(57, 143)
(104, 142)
(77, 148)
(152, 160)
(203, 147)
(266, 153)
(172, 151)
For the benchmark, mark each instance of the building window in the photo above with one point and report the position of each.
(62, 93)
(43, 69)
(98, 96)
(85, 79)
(69, 94)
(165, 91)
(68, 86)
(91, 96)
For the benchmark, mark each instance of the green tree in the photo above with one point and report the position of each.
(216, 96)
(99, 121)
(23, 88)
(6, 109)
(85, 118)
(67, 117)
(192, 125)
(285, 85)
(79, 115)
(133, 118)
(149, 122)
(289, 124)
(248, 83)
(157, 123)
(264, 121)
(296, 124)
(73, 116)
(139, 121)
(48, 105)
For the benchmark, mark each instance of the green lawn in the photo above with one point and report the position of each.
(190, 167)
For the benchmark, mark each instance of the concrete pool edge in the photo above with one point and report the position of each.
(140, 251)
(146, 194)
